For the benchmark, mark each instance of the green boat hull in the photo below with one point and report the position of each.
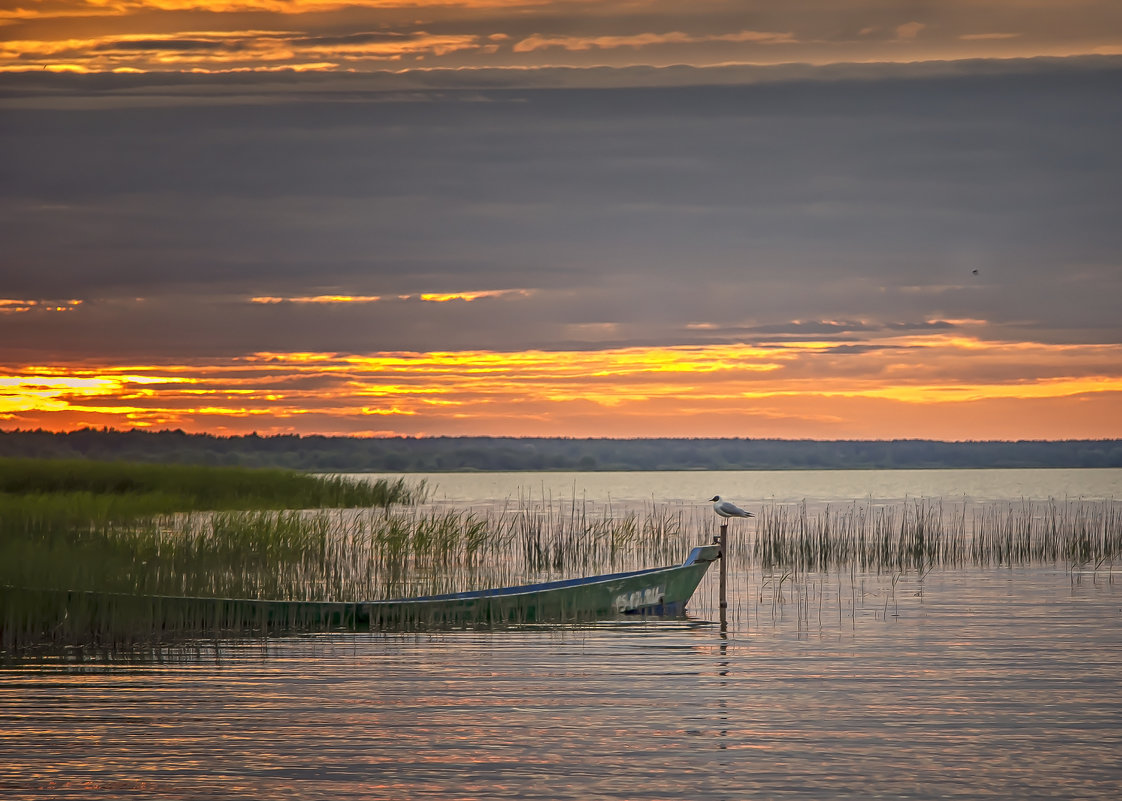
(656, 592)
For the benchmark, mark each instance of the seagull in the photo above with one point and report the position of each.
(728, 509)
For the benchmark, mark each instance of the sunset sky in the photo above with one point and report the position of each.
(819, 218)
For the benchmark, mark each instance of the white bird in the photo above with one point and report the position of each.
(727, 508)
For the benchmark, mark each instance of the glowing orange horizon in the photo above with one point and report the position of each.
(930, 386)
(103, 36)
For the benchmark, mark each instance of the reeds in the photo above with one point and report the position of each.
(82, 489)
(70, 529)
(1074, 532)
(77, 585)
(59, 554)
(923, 534)
(915, 535)
(369, 554)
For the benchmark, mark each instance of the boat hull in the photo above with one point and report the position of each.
(658, 592)
(655, 592)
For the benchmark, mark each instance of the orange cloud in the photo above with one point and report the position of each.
(492, 33)
(13, 306)
(444, 297)
(970, 37)
(539, 42)
(428, 297)
(224, 50)
(319, 299)
(122, 7)
(52, 390)
(921, 386)
(909, 31)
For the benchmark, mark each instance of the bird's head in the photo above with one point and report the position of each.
(715, 498)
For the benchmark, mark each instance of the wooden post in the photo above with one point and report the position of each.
(724, 538)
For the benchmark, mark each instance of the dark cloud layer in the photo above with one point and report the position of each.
(645, 214)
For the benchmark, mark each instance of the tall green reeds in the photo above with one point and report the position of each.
(923, 534)
(914, 535)
(71, 528)
(68, 545)
(82, 488)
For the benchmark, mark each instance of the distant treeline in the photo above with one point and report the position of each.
(434, 454)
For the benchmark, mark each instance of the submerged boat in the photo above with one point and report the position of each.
(660, 591)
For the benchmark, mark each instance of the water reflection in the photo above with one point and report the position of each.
(777, 486)
(962, 682)
(978, 682)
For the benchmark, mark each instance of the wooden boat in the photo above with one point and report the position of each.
(662, 591)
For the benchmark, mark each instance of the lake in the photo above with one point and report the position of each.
(785, 486)
(971, 682)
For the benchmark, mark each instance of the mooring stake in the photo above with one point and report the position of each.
(724, 565)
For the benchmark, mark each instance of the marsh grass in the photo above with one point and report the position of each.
(60, 551)
(89, 490)
(372, 553)
(914, 535)
(81, 527)
(138, 528)
(923, 534)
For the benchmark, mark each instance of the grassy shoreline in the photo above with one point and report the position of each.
(151, 530)
(118, 527)
(139, 488)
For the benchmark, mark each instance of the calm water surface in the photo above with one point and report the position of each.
(781, 486)
(971, 683)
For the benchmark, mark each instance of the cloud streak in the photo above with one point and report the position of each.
(628, 391)
(640, 40)
(229, 35)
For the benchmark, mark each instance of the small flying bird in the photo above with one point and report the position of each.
(727, 508)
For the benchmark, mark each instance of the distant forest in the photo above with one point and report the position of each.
(435, 454)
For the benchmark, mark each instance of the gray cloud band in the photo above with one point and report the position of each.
(644, 214)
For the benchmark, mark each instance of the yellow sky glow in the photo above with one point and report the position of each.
(319, 299)
(330, 35)
(783, 389)
(444, 297)
(14, 306)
